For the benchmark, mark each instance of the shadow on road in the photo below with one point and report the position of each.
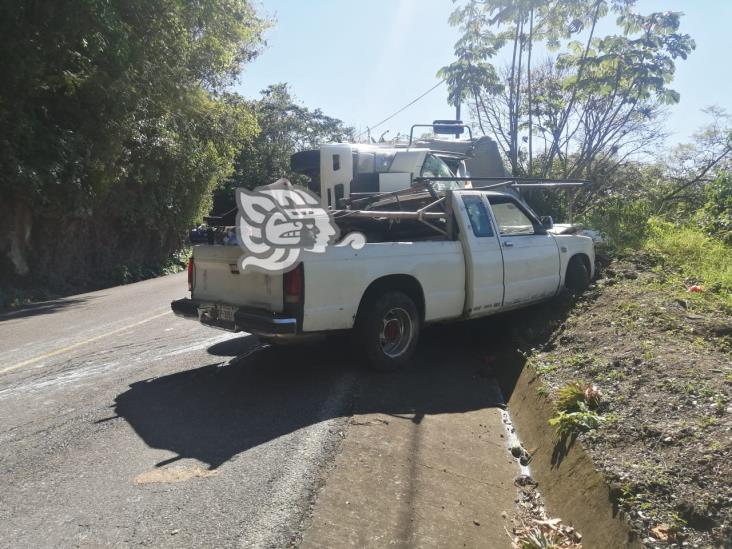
(217, 411)
(239, 346)
(42, 308)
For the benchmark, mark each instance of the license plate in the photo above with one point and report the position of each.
(225, 312)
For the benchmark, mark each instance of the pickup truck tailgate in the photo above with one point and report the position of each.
(216, 279)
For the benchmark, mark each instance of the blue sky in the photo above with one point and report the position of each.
(361, 60)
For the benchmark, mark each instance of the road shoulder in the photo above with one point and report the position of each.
(419, 479)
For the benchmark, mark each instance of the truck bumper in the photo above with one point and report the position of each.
(244, 319)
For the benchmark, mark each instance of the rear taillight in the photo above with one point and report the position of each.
(190, 274)
(293, 284)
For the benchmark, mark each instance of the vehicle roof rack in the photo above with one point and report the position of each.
(442, 127)
(421, 188)
(510, 181)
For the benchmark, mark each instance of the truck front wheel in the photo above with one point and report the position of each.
(388, 330)
(578, 276)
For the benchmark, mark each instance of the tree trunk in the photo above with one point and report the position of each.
(528, 81)
(18, 225)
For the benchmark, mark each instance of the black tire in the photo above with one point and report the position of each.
(578, 276)
(387, 330)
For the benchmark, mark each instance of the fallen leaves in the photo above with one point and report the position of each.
(661, 532)
(533, 529)
(547, 534)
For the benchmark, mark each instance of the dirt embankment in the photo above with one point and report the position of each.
(660, 431)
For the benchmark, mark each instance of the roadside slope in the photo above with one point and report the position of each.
(661, 358)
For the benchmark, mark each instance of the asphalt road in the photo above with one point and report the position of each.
(121, 424)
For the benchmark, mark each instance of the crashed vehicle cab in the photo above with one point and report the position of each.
(342, 170)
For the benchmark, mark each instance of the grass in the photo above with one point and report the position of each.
(647, 347)
(695, 256)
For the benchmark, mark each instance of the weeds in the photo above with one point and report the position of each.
(577, 359)
(715, 446)
(576, 404)
(573, 394)
(707, 421)
(543, 368)
(677, 523)
(616, 375)
(568, 423)
(538, 539)
(647, 347)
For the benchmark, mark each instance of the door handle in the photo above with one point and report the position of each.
(508, 244)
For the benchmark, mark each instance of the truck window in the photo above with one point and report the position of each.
(383, 160)
(339, 191)
(365, 162)
(374, 162)
(510, 219)
(436, 167)
(478, 216)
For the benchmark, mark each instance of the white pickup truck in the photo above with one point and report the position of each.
(492, 255)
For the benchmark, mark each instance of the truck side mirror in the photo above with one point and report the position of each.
(547, 222)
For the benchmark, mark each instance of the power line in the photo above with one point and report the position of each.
(368, 129)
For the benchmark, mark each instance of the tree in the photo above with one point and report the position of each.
(691, 167)
(116, 126)
(716, 215)
(690, 184)
(592, 105)
(286, 127)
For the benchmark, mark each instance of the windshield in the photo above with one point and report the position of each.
(436, 167)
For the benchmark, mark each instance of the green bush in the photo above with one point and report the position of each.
(622, 222)
(716, 216)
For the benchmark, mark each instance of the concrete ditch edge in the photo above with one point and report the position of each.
(572, 488)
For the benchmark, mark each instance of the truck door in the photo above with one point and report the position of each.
(483, 261)
(530, 256)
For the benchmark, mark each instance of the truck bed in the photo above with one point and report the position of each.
(328, 303)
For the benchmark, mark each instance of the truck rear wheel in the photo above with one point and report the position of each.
(388, 330)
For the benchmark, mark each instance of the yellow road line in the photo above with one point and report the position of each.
(79, 344)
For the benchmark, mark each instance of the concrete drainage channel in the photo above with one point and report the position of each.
(563, 473)
(429, 458)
